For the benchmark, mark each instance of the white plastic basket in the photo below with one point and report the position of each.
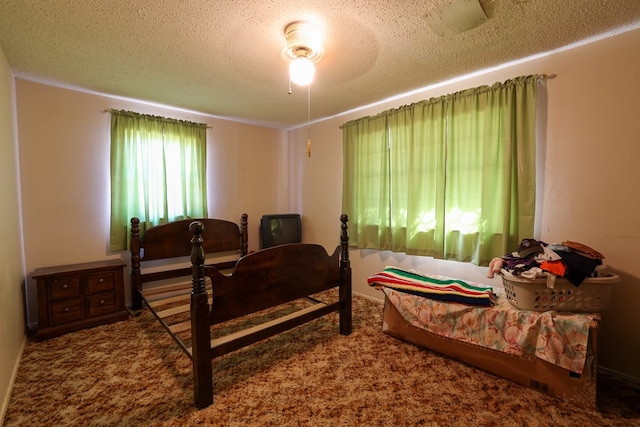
(591, 296)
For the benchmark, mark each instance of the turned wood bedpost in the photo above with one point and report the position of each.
(200, 335)
(134, 246)
(245, 235)
(345, 279)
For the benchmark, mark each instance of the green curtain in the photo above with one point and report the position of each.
(158, 172)
(425, 166)
(460, 177)
(365, 146)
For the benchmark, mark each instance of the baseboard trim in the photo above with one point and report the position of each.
(369, 297)
(12, 382)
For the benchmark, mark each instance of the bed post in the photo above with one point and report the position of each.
(134, 246)
(345, 279)
(200, 335)
(244, 234)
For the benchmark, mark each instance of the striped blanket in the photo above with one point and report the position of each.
(433, 286)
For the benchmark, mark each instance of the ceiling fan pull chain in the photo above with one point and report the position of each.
(309, 121)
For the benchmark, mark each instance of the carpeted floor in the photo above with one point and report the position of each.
(131, 374)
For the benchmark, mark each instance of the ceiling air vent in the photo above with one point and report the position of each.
(456, 16)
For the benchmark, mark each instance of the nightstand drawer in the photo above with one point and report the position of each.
(101, 282)
(100, 304)
(63, 287)
(66, 311)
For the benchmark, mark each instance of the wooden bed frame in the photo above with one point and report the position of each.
(258, 281)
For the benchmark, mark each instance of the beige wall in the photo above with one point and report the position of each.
(64, 160)
(11, 266)
(588, 177)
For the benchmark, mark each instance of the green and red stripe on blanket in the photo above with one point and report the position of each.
(432, 286)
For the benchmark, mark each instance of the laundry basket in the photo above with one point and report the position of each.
(591, 296)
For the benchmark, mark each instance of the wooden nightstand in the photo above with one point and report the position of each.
(78, 296)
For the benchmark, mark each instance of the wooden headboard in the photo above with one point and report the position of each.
(173, 240)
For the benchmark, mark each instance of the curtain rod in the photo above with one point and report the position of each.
(154, 117)
(538, 79)
(542, 77)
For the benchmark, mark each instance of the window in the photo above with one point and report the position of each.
(158, 172)
(450, 177)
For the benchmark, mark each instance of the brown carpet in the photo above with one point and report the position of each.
(132, 374)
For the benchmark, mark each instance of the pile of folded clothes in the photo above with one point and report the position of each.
(572, 260)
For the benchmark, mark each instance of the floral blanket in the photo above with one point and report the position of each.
(558, 338)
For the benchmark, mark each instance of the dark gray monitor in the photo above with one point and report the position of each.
(278, 229)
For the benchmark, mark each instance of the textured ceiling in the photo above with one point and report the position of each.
(223, 57)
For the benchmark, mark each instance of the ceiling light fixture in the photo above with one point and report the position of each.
(301, 71)
(304, 48)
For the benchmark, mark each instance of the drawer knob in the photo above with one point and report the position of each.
(65, 286)
(66, 309)
(101, 280)
(101, 302)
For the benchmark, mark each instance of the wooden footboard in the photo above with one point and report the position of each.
(260, 280)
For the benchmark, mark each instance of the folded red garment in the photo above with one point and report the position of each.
(556, 267)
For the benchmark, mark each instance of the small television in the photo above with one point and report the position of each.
(278, 229)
